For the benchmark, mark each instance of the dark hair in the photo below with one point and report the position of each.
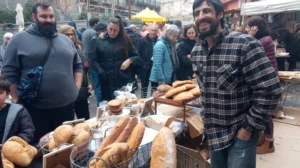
(43, 5)
(93, 21)
(125, 23)
(178, 23)
(186, 28)
(4, 85)
(263, 28)
(122, 34)
(217, 4)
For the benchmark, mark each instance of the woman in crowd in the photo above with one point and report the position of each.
(81, 105)
(113, 56)
(183, 50)
(258, 28)
(165, 61)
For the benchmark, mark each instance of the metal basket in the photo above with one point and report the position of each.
(184, 160)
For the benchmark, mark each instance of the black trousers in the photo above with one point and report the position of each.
(47, 120)
(144, 75)
(82, 109)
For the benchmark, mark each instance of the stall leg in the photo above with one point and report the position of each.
(184, 112)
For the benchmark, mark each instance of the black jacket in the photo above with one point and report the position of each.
(107, 56)
(18, 123)
(185, 48)
(145, 49)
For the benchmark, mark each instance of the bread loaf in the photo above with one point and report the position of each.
(128, 130)
(163, 88)
(163, 151)
(51, 144)
(81, 134)
(114, 134)
(6, 163)
(189, 86)
(183, 96)
(180, 83)
(136, 138)
(175, 91)
(115, 153)
(195, 91)
(62, 134)
(114, 104)
(18, 151)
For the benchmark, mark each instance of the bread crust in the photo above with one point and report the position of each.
(196, 91)
(189, 86)
(175, 91)
(114, 104)
(136, 138)
(183, 96)
(180, 83)
(128, 130)
(62, 134)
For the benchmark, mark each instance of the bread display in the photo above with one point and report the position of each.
(163, 88)
(62, 134)
(180, 83)
(189, 86)
(136, 138)
(175, 91)
(195, 92)
(114, 134)
(163, 151)
(18, 151)
(6, 163)
(128, 129)
(184, 96)
(128, 99)
(115, 152)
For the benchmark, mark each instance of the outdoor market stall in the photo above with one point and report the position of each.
(126, 133)
(148, 15)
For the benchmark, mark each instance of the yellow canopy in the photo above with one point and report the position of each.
(148, 15)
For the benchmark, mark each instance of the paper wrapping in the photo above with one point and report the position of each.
(157, 122)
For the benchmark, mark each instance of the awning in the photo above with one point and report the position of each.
(148, 15)
(270, 6)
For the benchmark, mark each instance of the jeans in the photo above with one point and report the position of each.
(96, 85)
(241, 154)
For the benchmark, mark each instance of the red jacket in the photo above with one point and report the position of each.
(268, 44)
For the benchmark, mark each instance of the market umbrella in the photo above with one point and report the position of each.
(19, 17)
(148, 15)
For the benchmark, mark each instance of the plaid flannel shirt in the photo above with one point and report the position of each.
(239, 87)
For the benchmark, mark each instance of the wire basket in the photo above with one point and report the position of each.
(185, 160)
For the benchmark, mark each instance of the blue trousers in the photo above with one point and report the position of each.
(96, 85)
(241, 154)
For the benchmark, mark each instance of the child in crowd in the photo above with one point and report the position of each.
(14, 118)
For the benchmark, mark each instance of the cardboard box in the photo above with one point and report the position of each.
(190, 158)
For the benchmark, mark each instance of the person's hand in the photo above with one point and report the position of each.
(189, 56)
(90, 88)
(244, 134)
(253, 30)
(125, 64)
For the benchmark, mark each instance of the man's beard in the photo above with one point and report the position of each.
(213, 27)
(47, 29)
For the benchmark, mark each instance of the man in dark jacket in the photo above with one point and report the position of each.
(145, 50)
(62, 73)
(136, 37)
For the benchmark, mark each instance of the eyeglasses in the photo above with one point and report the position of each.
(67, 34)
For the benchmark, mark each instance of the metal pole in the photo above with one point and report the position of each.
(129, 9)
(113, 5)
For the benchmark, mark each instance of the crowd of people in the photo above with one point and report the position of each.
(50, 74)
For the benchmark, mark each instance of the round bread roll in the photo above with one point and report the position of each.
(163, 151)
(18, 151)
(183, 96)
(81, 134)
(195, 92)
(163, 88)
(62, 134)
(114, 104)
(175, 91)
(116, 110)
(180, 83)
(189, 86)
(82, 126)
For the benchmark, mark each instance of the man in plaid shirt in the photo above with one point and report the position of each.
(239, 87)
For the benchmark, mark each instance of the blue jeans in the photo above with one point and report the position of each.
(241, 154)
(96, 85)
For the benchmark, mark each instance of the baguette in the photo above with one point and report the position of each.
(163, 151)
(180, 83)
(175, 91)
(111, 138)
(183, 96)
(195, 91)
(189, 86)
(136, 138)
(114, 153)
(127, 131)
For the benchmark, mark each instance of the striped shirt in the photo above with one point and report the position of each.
(239, 88)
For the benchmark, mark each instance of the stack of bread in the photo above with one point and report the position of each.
(161, 90)
(17, 151)
(121, 144)
(115, 107)
(183, 91)
(68, 134)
